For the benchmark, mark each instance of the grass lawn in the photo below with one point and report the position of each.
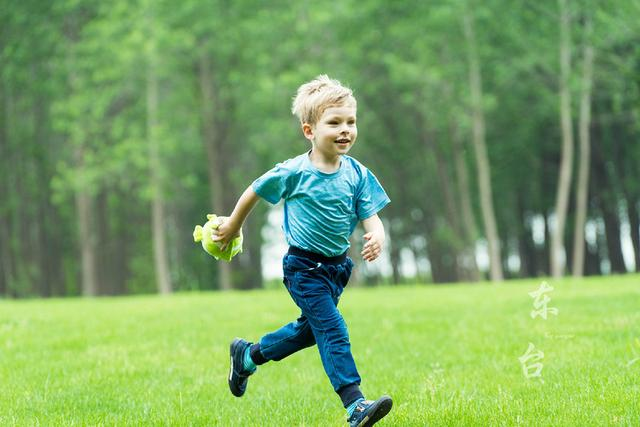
(448, 355)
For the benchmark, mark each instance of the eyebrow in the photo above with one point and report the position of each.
(340, 118)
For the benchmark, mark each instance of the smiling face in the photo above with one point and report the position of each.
(334, 134)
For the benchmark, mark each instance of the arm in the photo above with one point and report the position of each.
(230, 228)
(374, 236)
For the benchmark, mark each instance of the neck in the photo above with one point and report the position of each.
(324, 164)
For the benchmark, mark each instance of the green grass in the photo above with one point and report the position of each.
(448, 355)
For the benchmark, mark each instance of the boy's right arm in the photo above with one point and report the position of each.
(230, 228)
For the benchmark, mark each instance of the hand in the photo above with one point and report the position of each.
(225, 233)
(373, 246)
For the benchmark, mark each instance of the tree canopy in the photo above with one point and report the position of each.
(122, 124)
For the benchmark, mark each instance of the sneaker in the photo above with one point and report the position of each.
(238, 376)
(369, 412)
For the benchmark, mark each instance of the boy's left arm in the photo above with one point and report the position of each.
(374, 236)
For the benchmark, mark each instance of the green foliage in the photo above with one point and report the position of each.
(73, 120)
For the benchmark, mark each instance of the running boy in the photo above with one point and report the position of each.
(326, 193)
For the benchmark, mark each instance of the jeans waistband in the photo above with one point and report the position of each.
(316, 257)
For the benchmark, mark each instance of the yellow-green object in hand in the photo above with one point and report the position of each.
(203, 233)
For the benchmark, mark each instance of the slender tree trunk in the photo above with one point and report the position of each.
(441, 257)
(158, 220)
(607, 198)
(210, 139)
(482, 158)
(87, 237)
(394, 255)
(5, 260)
(106, 268)
(5, 235)
(41, 233)
(451, 218)
(83, 199)
(547, 245)
(122, 245)
(248, 267)
(585, 153)
(566, 162)
(634, 225)
(464, 201)
(592, 260)
(614, 243)
(526, 246)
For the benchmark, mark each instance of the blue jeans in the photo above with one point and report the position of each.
(316, 288)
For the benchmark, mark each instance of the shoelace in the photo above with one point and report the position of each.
(363, 405)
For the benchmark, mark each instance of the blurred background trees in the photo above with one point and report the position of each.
(123, 123)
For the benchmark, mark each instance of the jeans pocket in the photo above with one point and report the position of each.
(345, 273)
(295, 264)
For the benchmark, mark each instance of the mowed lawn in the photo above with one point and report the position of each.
(448, 355)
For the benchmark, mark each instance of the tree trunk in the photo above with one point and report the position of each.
(634, 225)
(464, 201)
(612, 232)
(526, 246)
(482, 158)
(451, 218)
(585, 153)
(107, 269)
(5, 235)
(547, 246)
(592, 261)
(247, 269)
(86, 235)
(121, 245)
(394, 257)
(6, 274)
(40, 234)
(210, 139)
(441, 257)
(83, 199)
(158, 221)
(566, 162)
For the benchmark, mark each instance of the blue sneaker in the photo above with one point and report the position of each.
(369, 412)
(238, 376)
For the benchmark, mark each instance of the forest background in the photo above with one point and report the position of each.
(505, 132)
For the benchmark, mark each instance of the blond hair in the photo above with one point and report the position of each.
(317, 95)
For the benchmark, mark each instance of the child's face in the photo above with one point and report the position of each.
(335, 132)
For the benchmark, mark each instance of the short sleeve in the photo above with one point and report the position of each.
(272, 186)
(371, 197)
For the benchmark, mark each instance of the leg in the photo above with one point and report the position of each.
(317, 296)
(287, 340)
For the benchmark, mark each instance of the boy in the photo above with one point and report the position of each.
(326, 193)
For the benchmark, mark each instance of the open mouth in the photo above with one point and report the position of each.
(342, 141)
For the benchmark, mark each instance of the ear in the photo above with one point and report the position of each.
(307, 131)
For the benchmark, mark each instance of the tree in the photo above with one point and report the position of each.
(158, 217)
(479, 145)
(585, 151)
(566, 164)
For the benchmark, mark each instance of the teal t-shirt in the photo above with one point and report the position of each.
(321, 210)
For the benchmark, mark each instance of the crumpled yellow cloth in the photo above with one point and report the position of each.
(202, 233)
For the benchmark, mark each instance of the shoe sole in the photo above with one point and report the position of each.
(380, 408)
(235, 391)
